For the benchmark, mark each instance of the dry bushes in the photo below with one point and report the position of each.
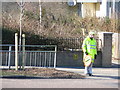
(64, 23)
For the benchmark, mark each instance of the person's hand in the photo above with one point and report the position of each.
(86, 53)
(95, 56)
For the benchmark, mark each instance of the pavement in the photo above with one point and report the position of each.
(102, 78)
(98, 73)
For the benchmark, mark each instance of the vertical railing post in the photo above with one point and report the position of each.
(23, 51)
(16, 51)
(9, 57)
(49, 59)
(45, 61)
(35, 59)
(55, 57)
(40, 60)
(0, 58)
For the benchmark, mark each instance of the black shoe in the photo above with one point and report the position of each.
(90, 74)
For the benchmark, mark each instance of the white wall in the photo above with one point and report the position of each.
(103, 8)
(98, 13)
(116, 45)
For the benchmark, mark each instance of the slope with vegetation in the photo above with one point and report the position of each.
(58, 20)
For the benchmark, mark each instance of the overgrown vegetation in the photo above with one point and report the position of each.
(58, 20)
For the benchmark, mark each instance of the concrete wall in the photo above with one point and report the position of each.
(75, 59)
(106, 38)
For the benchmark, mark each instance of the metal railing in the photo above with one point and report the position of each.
(35, 55)
(63, 43)
(67, 43)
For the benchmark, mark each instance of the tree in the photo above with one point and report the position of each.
(21, 4)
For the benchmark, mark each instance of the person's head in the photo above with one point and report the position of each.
(91, 34)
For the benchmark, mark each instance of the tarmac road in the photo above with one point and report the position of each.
(59, 83)
(103, 78)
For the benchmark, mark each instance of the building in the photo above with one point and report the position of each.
(99, 8)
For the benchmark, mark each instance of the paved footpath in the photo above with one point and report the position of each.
(103, 78)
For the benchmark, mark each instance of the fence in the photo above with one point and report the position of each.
(67, 43)
(35, 55)
(41, 55)
(62, 43)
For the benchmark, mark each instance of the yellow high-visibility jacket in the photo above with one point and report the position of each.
(89, 46)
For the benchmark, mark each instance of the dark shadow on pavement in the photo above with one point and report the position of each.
(112, 66)
(115, 65)
(32, 77)
(20, 77)
(113, 77)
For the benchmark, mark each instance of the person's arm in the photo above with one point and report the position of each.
(84, 46)
(96, 51)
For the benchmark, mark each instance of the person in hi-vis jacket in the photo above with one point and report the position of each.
(89, 48)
